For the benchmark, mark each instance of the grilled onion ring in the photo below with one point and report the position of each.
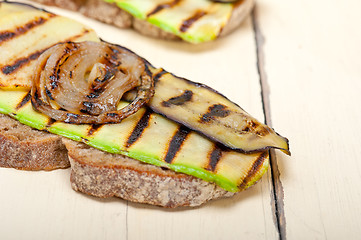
(84, 82)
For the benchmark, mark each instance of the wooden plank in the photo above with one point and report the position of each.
(42, 205)
(312, 63)
(42, 201)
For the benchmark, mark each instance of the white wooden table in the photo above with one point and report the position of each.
(295, 64)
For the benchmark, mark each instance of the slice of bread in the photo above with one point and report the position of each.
(104, 175)
(98, 173)
(22, 147)
(111, 14)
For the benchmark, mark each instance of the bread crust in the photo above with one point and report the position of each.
(105, 175)
(24, 148)
(106, 12)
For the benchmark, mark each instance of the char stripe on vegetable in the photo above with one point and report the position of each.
(191, 20)
(203, 109)
(162, 6)
(93, 129)
(159, 74)
(214, 157)
(139, 128)
(20, 30)
(185, 97)
(253, 171)
(175, 144)
(49, 123)
(214, 111)
(21, 62)
(24, 101)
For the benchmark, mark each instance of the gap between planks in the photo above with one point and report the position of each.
(277, 194)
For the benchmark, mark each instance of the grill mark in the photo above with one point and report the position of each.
(112, 59)
(94, 94)
(179, 100)
(53, 81)
(109, 74)
(216, 110)
(191, 20)
(162, 6)
(55, 77)
(251, 126)
(23, 101)
(88, 107)
(147, 70)
(93, 129)
(254, 169)
(48, 93)
(35, 101)
(71, 117)
(159, 75)
(6, 35)
(214, 157)
(50, 122)
(99, 85)
(138, 130)
(112, 115)
(38, 21)
(9, 69)
(255, 128)
(176, 143)
(21, 62)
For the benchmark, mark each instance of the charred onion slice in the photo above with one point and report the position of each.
(84, 82)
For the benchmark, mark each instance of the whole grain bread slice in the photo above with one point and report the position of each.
(22, 147)
(98, 173)
(102, 174)
(111, 14)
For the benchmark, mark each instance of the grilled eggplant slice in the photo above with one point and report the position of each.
(208, 112)
(203, 109)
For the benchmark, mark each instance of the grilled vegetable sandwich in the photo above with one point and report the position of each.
(193, 21)
(126, 128)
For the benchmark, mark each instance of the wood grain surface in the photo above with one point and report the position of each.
(312, 67)
(295, 65)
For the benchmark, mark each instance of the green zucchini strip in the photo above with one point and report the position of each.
(150, 138)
